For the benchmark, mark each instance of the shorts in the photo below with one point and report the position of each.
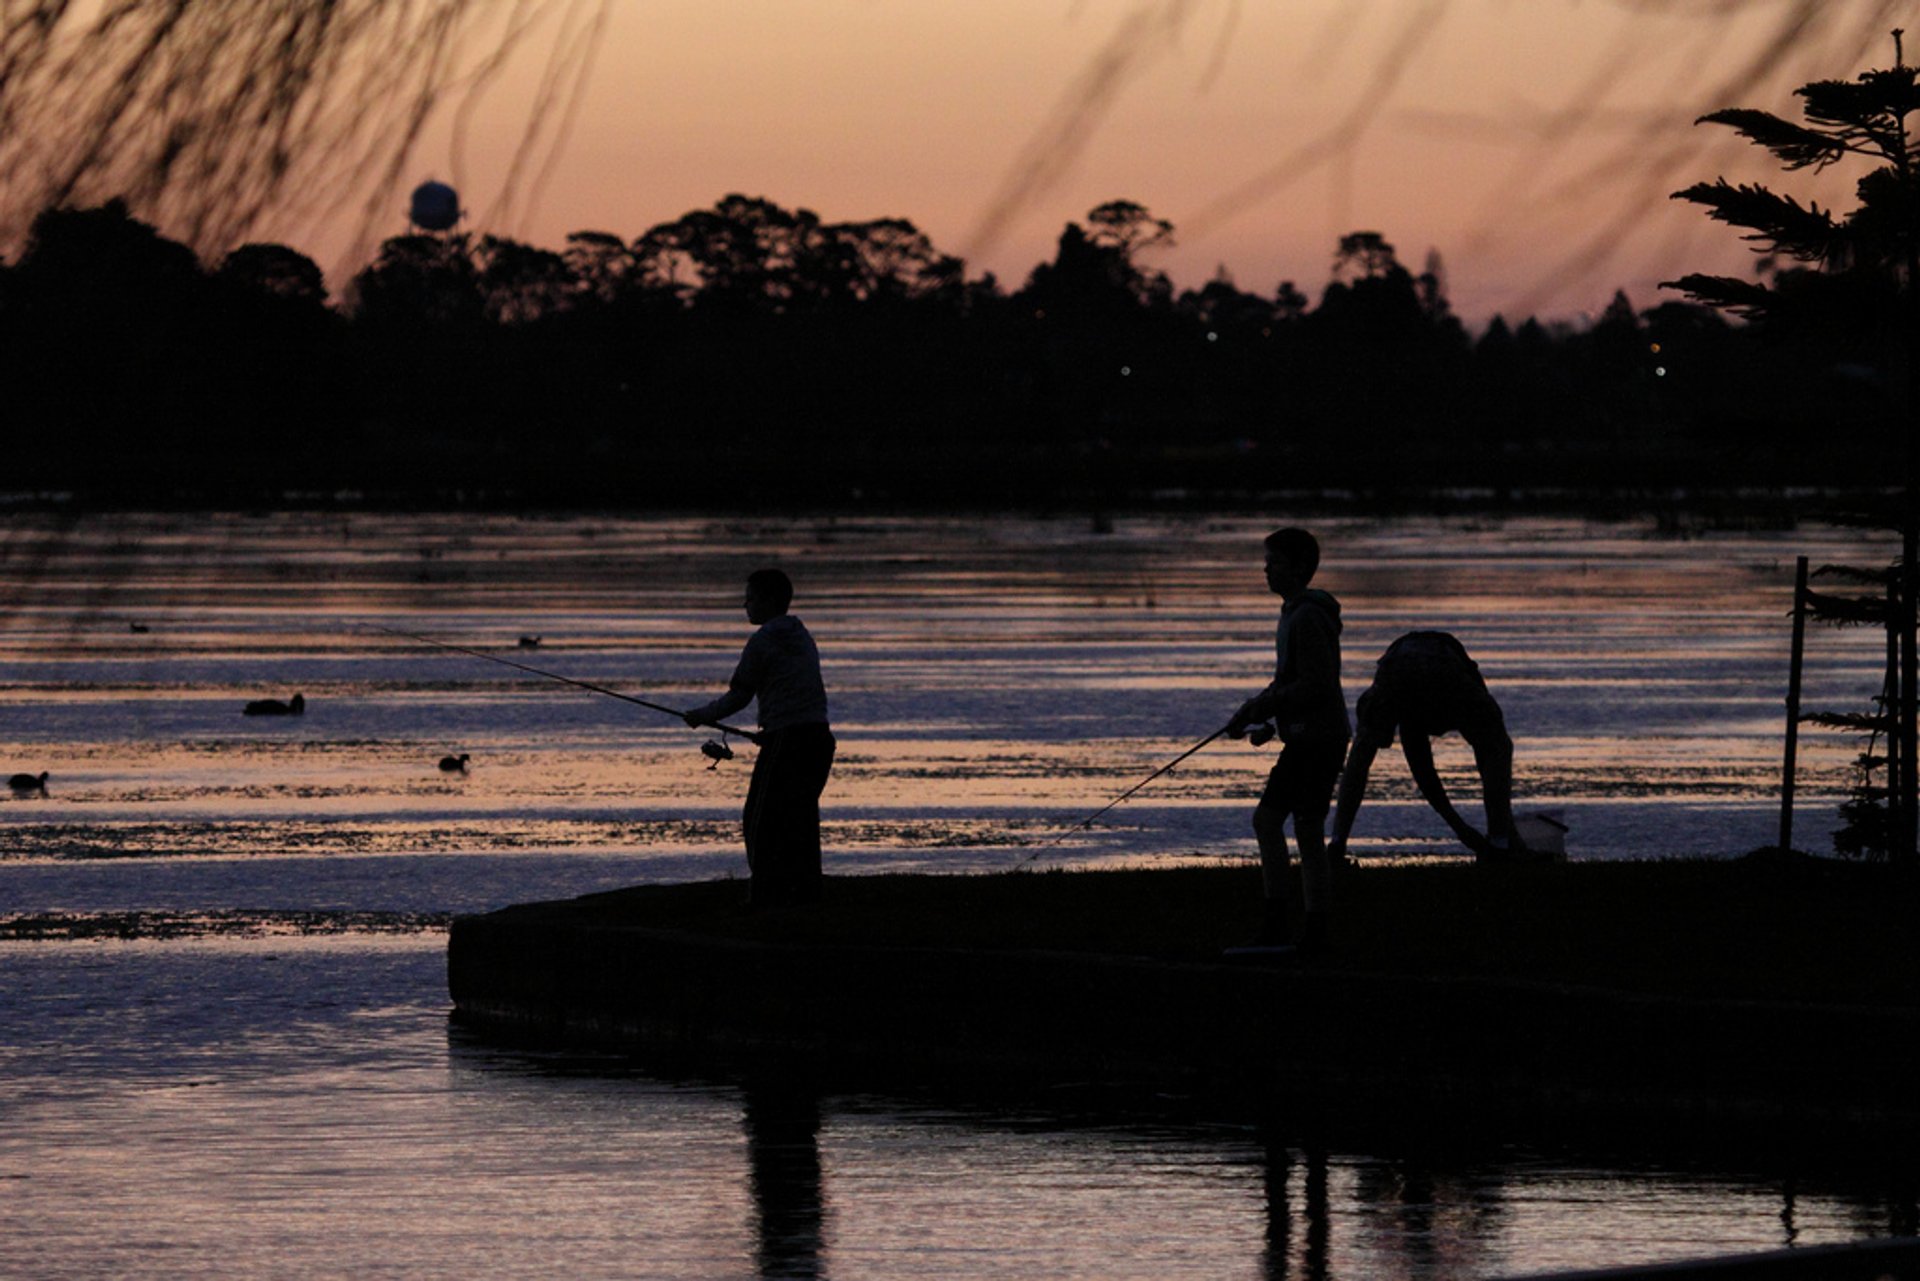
(1301, 782)
(1425, 681)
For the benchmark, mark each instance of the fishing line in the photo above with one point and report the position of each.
(1257, 736)
(750, 735)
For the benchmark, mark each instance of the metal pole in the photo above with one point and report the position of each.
(1905, 784)
(1890, 718)
(1906, 832)
(1793, 701)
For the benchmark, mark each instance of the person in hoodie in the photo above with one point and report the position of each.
(780, 668)
(1427, 685)
(1309, 712)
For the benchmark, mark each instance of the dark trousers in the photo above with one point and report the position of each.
(782, 818)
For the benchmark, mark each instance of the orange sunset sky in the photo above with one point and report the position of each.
(1533, 143)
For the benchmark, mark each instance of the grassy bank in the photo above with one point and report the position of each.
(1712, 1000)
(1796, 930)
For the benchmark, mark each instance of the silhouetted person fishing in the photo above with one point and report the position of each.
(1309, 711)
(780, 668)
(1427, 685)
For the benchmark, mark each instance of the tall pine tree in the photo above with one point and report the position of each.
(1855, 287)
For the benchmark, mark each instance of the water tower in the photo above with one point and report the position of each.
(434, 207)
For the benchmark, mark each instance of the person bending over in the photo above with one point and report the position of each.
(1427, 685)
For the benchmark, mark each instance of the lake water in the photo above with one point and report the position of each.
(223, 1034)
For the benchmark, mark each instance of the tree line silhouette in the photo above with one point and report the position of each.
(763, 353)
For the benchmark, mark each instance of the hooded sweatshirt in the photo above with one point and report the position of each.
(781, 668)
(1305, 699)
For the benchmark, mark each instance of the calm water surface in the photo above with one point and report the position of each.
(254, 1075)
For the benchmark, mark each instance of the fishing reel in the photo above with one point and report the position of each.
(716, 750)
(1262, 734)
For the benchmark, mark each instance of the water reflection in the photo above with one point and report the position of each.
(1277, 1258)
(297, 1107)
(781, 1117)
(853, 1184)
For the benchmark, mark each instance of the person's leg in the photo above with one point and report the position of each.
(1313, 781)
(801, 785)
(1316, 879)
(783, 808)
(1269, 828)
(761, 888)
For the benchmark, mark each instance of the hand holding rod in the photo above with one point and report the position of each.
(750, 735)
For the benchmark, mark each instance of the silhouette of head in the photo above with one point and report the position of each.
(769, 593)
(1292, 557)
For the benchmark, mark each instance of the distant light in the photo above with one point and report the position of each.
(1126, 371)
(1660, 371)
(1212, 337)
(1654, 347)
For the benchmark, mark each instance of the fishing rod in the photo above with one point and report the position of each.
(717, 752)
(1258, 735)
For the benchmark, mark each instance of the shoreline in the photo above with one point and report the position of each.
(1344, 1034)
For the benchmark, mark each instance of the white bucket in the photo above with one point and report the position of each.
(1542, 833)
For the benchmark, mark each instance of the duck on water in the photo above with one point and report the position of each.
(294, 706)
(23, 783)
(454, 764)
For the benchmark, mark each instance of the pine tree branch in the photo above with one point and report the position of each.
(1846, 611)
(1743, 296)
(1796, 145)
(1807, 233)
(1870, 108)
(1865, 722)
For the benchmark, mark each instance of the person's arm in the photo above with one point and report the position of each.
(1493, 754)
(1353, 790)
(1312, 664)
(1248, 714)
(740, 690)
(1252, 712)
(1419, 753)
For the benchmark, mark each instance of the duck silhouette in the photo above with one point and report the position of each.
(529, 642)
(29, 782)
(454, 764)
(294, 706)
